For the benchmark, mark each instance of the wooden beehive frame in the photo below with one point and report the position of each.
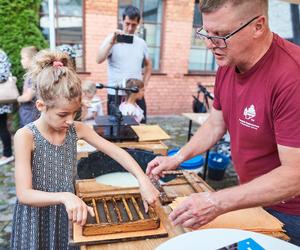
(119, 213)
(190, 178)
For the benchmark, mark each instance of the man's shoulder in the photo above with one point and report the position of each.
(290, 51)
(139, 40)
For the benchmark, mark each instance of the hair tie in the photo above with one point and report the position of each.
(57, 64)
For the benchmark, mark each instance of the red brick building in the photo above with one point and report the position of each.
(170, 37)
(180, 60)
(171, 87)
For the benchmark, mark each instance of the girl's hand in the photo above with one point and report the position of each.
(149, 193)
(76, 208)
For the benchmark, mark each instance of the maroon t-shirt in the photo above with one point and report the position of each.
(261, 109)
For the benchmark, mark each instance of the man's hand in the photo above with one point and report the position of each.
(114, 36)
(195, 211)
(160, 164)
(106, 46)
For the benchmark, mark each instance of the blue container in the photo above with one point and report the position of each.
(217, 164)
(193, 164)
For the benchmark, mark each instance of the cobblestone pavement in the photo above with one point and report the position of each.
(175, 126)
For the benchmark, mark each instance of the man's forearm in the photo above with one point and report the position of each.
(147, 73)
(104, 49)
(276, 186)
(206, 136)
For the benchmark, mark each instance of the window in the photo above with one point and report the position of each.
(284, 20)
(200, 58)
(150, 26)
(68, 23)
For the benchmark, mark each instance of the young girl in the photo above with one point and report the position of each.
(91, 103)
(130, 107)
(27, 111)
(45, 166)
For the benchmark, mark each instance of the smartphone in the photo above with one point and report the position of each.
(124, 38)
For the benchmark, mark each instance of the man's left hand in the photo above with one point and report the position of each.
(195, 211)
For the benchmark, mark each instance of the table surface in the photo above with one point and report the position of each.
(145, 244)
(198, 118)
(178, 189)
(212, 239)
(153, 133)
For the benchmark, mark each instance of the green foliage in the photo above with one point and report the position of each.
(19, 27)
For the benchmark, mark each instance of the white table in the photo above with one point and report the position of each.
(212, 239)
(198, 118)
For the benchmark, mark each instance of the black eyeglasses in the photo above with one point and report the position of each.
(220, 41)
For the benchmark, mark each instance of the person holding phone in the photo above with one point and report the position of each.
(127, 55)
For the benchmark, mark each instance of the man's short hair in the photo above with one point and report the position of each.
(132, 12)
(207, 6)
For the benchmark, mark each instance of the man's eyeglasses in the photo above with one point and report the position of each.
(220, 41)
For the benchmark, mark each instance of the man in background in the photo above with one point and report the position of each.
(126, 58)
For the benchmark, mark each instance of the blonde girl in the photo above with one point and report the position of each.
(91, 103)
(27, 110)
(45, 166)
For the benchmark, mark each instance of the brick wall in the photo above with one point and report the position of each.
(167, 93)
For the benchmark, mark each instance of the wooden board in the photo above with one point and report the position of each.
(77, 237)
(185, 183)
(150, 133)
(119, 214)
(177, 187)
(86, 189)
(253, 219)
(157, 147)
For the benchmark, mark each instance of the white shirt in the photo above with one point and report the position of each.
(125, 61)
(94, 106)
(132, 110)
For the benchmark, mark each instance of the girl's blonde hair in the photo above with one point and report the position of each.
(132, 82)
(89, 87)
(54, 77)
(29, 51)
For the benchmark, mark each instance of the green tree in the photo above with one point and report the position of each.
(19, 27)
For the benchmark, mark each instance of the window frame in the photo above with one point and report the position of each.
(141, 24)
(83, 33)
(205, 72)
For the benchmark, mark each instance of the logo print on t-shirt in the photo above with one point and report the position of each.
(250, 112)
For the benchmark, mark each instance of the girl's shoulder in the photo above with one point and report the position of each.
(24, 136)
(25, 131)
(81, 128)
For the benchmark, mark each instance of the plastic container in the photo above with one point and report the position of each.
(194, 164)
(217, 164)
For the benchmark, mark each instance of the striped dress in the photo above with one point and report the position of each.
(53, 170)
